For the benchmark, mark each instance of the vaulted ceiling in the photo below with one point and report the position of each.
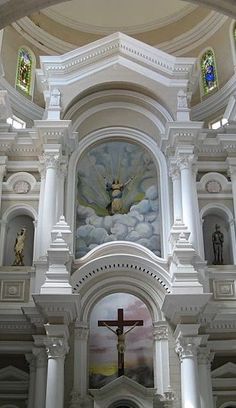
(12, 10)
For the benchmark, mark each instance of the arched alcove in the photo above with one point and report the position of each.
(118, 197)
(213, 217)
(104, 341)
(14, 227)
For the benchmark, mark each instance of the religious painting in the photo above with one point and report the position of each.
(24, 70)
(208, 69)
(104, 344)
(117, 197)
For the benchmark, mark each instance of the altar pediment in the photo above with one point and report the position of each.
(123, 388)
(115, 58)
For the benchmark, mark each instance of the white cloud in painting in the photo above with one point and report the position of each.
(141, 225)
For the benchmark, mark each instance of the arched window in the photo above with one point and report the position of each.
(208, 72)
(25, 68)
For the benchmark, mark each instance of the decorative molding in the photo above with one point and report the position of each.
(105, 267)
(56, 347)
(215, 102)
(224, 289)
(21, 106)
(13, 291)
(160, 331)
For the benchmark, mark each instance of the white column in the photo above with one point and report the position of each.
(40, 378)
(32, 376)
(186, 348)
(56, 348)
(80, 387)
(39, 237)
(51, 157)
(185, 164)
(3, 229)
(177, 196)
(205, 383)
(61, 190)
(161, 357)
(3, 161)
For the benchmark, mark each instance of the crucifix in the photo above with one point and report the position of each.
(120, 323)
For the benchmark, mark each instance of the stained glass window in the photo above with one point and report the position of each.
(24, 70)
(208, 71)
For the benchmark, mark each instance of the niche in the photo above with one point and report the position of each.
(209, 227)
(14, 226)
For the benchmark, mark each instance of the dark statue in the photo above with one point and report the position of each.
(217, 241)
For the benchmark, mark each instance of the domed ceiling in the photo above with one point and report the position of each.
(128, 16)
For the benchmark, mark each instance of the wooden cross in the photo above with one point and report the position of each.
(120, 323)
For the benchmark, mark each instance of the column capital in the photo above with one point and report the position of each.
(40, 356)
(160, 331)
(187, 347)
(205, 355)
(173, 168)
(56, 347)
(81, 331)
(51, 156)
(185, 161)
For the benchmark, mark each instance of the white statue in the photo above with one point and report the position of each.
(19, 247)
(55, 98)
(182, 100)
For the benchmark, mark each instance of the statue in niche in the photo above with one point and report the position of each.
(19, 247)
(115, 190)
(217, 241)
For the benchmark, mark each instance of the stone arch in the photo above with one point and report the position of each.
(12, 212)
(129, 135)
(124, 403)
(133, 100)
(114, 268)
(223, 213)
(229, 404)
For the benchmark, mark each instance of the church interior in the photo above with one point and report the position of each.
(118, 204)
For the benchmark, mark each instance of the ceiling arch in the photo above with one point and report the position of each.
(10, 10)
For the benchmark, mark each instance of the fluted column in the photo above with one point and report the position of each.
(177, 195)
(40, 377)
(51, 157)
(80, 388)
(185, 165)
(57, 348)
(161, 357)
(205, 383)
(186, 348)
(32, 376)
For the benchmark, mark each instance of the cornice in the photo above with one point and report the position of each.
(64, 67)
(21, 104)
(215, 102)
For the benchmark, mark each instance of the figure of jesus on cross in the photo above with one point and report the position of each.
(119, 332)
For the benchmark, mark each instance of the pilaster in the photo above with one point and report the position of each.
(161, 357)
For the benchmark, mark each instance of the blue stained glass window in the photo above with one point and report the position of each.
(208, 71)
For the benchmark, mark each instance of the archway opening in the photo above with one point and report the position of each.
(217, 239)
(104, 362)
(118, 197)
